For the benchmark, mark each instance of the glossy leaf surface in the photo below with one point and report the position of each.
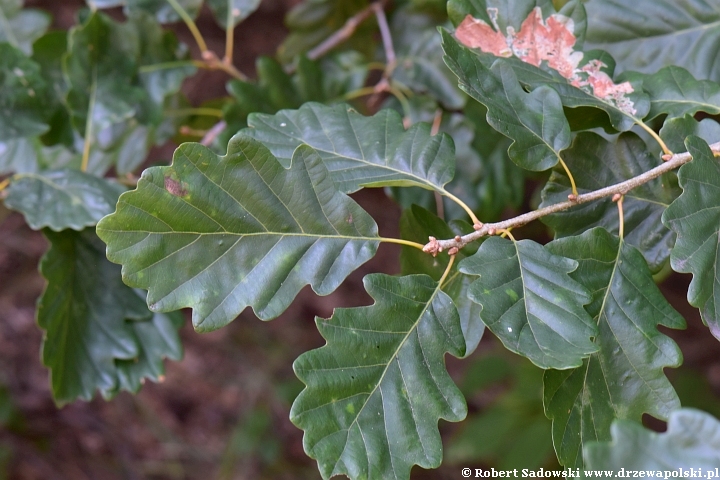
(545, 48)
(676, 130)
(596, 163)
(674, 91)
(23, 93)
(535, 121)
(232, 12)
(646, 35)
(86, 308)
(376, 390)
(625, 378)
(29, 155)
(20, 27)
(415, 224)
(695, 217)
(218, 234)
(692, 441)
(419, 59)
(531, 303)
(359, 150)
(60, 199)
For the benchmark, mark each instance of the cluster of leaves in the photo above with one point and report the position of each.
(249, 221)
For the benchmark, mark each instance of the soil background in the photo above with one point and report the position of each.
(222, 412)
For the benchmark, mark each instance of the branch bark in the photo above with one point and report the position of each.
(435, 246)
(345, 31)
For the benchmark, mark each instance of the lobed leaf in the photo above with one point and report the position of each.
(535, 121)
(375, 392)
(419, 64)
(695, 217)
(544, 48)
(485, 178)
(674, 91)
(157, 339)
(86, 308)
(691, 442)
(218, 234)
(23, 93)
(360, 151)
(415, 225)
(676, 130)
(232, 12)
(121, 78)
(624, 379)
(646, 35)
(161, 9)
(531, 303)
(61, 199)
(29, 155)
(596, 163)
(19, 26)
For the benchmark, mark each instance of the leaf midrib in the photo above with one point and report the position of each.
(393, 357)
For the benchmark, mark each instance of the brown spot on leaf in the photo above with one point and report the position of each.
(174, 187)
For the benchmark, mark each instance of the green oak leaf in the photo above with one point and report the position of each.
(23, 94)
(123, 78)
(29, 155)
(375, 391)
(534, 121)
(60, 199)
(161, 9)
(99, 67)
(675, 92)
(692, 441)
(419, 58)
(312, 21)
(313, 81)
(357, 150)
(646, 35)
(218, 234)
(531, 303)
(232, 11)
(695, 217)
(485, 178)
(19, 26)
(415, 225)
(675, 130)
(158, 338)
(512, 14)
(48, 52)
(625, 378)
(86, 308)
(163, 62)
(596, 163)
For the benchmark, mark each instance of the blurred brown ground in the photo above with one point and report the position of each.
(222, 412)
